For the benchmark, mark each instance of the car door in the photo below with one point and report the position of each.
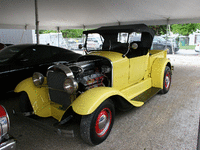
(137, 68)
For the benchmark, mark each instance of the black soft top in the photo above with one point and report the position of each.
(123, 28)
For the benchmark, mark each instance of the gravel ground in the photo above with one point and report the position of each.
(166, 122)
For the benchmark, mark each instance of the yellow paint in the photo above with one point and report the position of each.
(87, 102)
(138, 68)
(120, 68)
(131, 77)
(39, 98)
(135, 90)
(157, 73)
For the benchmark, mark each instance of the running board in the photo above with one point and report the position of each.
(146, 95)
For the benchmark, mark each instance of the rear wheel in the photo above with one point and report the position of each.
(166, 80)
(95, 128)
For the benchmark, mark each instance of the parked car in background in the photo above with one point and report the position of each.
(159, 43)
(94, 43)
(9, 44)
(7, 142)
(197, 47)
(2, 46)
(18, 62)
(73, 44)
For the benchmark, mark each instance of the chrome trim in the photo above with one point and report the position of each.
(14, 70)
(4, 128)
(82, 63)
(64, 68)
(38, 79)
(8, 145)
(74, 85)
(111, 74)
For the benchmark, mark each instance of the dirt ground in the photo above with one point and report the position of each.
(166, 122)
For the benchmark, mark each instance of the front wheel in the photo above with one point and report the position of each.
(95, 128)
(166, 80)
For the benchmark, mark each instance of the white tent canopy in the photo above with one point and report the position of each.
(68, 14)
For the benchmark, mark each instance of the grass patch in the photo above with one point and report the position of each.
(187, 47)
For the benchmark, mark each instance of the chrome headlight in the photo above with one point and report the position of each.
(38, 78)
(70, 85)
(4, 122)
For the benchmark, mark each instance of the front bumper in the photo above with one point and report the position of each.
(8, 144)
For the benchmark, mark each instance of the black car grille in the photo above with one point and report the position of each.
(55, 80)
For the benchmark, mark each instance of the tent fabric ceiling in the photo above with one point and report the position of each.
(71, 14)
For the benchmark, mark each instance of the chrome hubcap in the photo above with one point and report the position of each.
(167, 80)
(103, 122)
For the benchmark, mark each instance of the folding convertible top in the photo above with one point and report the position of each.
(123, 28)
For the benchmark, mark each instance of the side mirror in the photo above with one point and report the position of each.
(80, 46)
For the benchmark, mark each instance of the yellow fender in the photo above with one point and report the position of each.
(157, 73)
(88, 102)
(38, 97)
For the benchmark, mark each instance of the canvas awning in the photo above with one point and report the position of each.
(68, 14)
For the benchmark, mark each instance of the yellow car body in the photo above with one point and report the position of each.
(126, 84)
(122, 73)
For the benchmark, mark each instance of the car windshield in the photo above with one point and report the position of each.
(111, 41)
(8, 53)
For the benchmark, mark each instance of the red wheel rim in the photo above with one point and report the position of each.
(103, 122)
(167, 80)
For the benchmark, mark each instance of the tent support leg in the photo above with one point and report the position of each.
(36, 22)
(58, 30)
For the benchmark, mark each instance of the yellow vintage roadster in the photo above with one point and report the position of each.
(124, 73)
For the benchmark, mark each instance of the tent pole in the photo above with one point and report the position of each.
(167, 33)
(167, 27)
(36, 22)
(58, 30)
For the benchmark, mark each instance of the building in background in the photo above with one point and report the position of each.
(20, 36)
(16, 36)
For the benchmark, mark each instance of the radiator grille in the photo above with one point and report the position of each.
(55, 80)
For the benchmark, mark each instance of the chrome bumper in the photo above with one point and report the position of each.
(9, 144)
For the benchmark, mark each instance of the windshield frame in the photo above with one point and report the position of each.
(102, 40)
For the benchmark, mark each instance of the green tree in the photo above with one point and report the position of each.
(159, 29)
(185, 29)
(72, 33)
(69, 33)
(47, 31)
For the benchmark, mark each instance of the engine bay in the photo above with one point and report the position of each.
(91, 73)
(88, 72)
